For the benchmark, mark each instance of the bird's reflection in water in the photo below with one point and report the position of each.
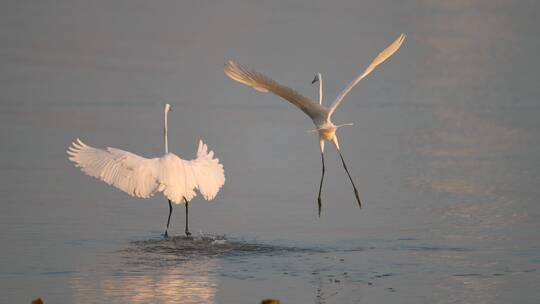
(177, 285)
(175, 270)
(172, 270)
(189, 282)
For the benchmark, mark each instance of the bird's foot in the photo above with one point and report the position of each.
(165, 235)
(188, 234)
(357, 198)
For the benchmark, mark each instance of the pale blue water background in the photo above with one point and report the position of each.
(445, 151)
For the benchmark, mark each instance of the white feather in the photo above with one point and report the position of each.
(143, 177)
(320, 114)
(381, 57)
(265, 84)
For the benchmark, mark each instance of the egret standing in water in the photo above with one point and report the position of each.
(142, 177)
(321, 115)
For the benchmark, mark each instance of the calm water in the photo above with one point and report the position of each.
(445, 151)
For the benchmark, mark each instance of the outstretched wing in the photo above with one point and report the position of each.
(263, 83)
(131, 173)
(142, 177)
(385, 54)
(207, 172)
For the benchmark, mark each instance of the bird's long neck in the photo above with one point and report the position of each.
(165, 131)
(320, 89)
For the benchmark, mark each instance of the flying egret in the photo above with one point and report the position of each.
(320, 114)
(142, 177)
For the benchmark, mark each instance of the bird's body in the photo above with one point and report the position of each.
(142, 177)
(327, 130)
(319, 114)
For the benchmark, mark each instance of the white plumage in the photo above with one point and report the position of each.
(319, 114)
(143, 177)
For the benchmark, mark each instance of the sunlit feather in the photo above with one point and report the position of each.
(321, 115)
(143, 177)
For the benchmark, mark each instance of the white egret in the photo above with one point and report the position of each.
(143, 177)
(320, 114)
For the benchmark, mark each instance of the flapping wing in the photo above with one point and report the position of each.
(263, 83)
(385, 54)
(131, 173)
(207, 171)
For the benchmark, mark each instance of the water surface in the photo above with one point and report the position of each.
(445, 152)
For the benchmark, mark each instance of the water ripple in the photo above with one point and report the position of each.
(180, 249)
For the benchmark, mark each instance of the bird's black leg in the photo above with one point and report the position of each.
(168, 220)
(354, 187)
(320, 187)
(187, 229)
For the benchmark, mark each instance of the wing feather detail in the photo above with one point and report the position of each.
(263, 83)
(207, 171)
(143, 177)
(381, 57)
(131, 173)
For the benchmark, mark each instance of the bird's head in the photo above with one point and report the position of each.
(317, 78)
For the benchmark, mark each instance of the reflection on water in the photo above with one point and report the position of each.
(188, 282)
(464, 154)
(465, 151)
(215, 270)
(474, 288)
(446, 150)
(172, 270)
(175, 270)
(462, 135)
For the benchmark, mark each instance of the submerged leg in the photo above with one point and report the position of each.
(321, 141)
(168, 219)
(348, 174)
(187, 229)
